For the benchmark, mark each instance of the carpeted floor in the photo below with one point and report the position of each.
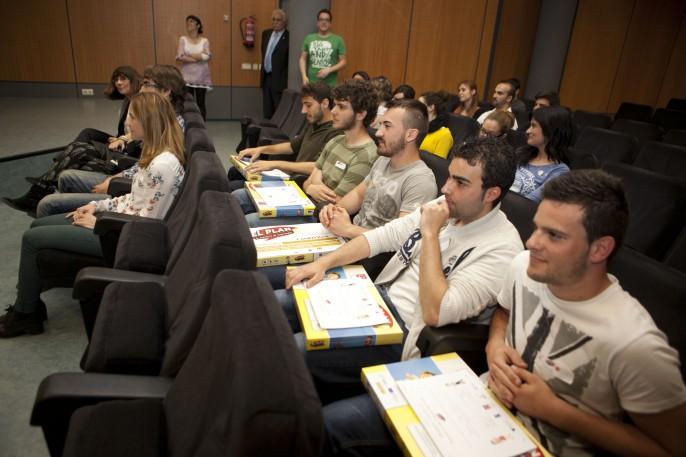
(26, 360)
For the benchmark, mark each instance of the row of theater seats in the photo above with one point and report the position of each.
(188, 351)
(284, 125)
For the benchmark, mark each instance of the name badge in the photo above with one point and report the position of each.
(340, 165)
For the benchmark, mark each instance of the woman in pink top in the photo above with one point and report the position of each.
(194, 53)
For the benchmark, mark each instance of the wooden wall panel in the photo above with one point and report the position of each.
(108, 34)
(594, 53)
(170, 24)
(262, 11)
(487, 37)
(445, 38)
(674, 82)
(514, 42)
(376, 36)
(650, 39)
(36, 44)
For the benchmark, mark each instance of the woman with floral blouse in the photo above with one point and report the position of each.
(151, 119)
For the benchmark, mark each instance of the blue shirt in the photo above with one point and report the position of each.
(529, 179)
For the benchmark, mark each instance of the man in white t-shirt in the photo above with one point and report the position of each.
(569, 348)
(503, 95)
(450, 258)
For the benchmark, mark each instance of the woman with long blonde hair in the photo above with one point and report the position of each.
(151, 119)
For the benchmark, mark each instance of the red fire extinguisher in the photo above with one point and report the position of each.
(248, 29)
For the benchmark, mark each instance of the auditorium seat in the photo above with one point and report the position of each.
(643, 131)
(663, 158)
(607, 145)
(462, 127)
(634, 111)
(244, 390)
(134, 305)
(676, 255)
(580, 158)
(669, 119)
(657, 208)
(583, 118)
(675, 137)
(678, 104)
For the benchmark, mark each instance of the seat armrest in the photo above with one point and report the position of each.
(110, 221)
(467, 339)
(91, 281)
(126, 162)
(90, 285)
(108, 227)
(60, 394)
(119, 186)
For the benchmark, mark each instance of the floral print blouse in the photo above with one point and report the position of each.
(152, 191)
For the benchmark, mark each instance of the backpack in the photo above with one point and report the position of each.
(80, 156)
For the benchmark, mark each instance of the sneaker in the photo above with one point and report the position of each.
(14, 323)
(42, 311)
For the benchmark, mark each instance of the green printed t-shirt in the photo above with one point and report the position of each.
(323, 52)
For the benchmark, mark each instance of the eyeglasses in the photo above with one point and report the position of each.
(324, 20)
(150, 84)
(486, 133)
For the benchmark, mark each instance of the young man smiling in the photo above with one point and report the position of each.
(569, 348)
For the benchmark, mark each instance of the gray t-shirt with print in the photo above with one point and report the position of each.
(393, 191)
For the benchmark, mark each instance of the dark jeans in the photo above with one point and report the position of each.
(52, 232)
(354, 428)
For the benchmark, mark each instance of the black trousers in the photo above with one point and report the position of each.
(270, 97)
(199, 95)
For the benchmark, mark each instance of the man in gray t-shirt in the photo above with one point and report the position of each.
(398, 182)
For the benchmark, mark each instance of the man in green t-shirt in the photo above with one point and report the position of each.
(323, 53)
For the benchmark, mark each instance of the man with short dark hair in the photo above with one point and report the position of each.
(546, 99)
(451, 255)
(569, 348)
(274, 74)
(323, 53)
(503, 96)
(346, 159)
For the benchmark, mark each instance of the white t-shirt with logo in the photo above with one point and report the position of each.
(604, 355)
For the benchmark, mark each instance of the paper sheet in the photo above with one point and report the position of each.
(280, 196)
(345, 303)
(461, 418)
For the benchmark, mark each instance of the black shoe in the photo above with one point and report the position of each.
(34, 180)
(14, 323)
(42, 311)
(28, 201)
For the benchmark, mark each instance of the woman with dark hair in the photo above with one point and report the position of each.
(438, 140)
(361, 75)
(404, 91)
(549, 136)
(151, 120)
(468, 96)
(194, 52)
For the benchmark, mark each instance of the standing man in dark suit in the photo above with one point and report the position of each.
(274, 74)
